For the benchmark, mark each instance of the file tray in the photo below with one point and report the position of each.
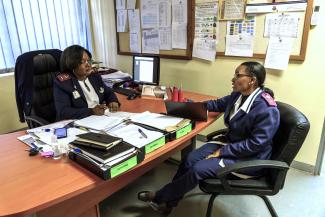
(170, 136)
(182, 131)
(155, 144)
(107, 172)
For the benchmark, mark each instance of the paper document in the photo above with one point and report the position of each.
(165, 14)
(120, 159)
(122, 115)
(278, 53)
(179, 11)
(269, 8)
(239, 45)
(206, 22)
(165, 38)
(120, 4)
(130, 4)
(205, 49)
(32, 142)
(234, 9)
(150, 41)
(100, 123)
(134, 21)
(179, 35)
(122, 20)
(71, 136)
(130, 134)
(116, 75)
(59, 124)
(282, 25)
(156, 120)
(135, 42)
(149, 14)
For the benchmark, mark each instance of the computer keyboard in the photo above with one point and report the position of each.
(124, 91)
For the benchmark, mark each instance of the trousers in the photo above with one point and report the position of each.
(193, 169)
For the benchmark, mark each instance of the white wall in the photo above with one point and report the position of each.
(301, 85)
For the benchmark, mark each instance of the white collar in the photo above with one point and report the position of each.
(246, 107)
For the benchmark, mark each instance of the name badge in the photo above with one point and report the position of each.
(76, 94)
(101, 90)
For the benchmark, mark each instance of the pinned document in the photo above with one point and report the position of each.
(278, 53)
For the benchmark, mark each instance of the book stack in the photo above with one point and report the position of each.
(103, 148)
(97, 140)
(108, 157)
(105, 155)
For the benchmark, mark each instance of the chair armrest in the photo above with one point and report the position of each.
(35, 121)
(222, 172)
(216, 133)
(278, 165)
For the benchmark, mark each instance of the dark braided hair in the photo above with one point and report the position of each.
(257, 70)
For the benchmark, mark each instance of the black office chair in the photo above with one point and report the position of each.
(34, 74)
(287, 141)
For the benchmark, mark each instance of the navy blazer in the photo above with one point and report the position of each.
(251, 131)
(70, 101)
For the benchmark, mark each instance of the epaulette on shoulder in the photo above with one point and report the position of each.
(63, 77)
(268, 98)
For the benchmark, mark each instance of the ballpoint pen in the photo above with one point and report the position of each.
(142, 133)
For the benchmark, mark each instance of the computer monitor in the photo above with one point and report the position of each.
(146, 69)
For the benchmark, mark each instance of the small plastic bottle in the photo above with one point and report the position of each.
(55, 147)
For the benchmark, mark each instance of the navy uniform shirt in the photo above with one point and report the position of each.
(251, 129)
(70, 101)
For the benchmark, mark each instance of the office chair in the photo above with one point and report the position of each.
(34, 74)
(287, 141)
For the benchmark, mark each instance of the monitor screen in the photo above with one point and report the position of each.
(146, 69)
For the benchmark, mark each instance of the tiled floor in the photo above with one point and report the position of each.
(303, 196)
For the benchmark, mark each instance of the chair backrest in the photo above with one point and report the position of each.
(291, 134)
(45, 68)
(34, 74)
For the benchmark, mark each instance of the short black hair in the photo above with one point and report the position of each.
(258, 71)
(71, 57)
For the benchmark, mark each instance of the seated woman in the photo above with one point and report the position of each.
(78, 92)
(252, 119)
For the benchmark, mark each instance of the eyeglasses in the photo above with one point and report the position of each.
(90, 61)
(237, 75)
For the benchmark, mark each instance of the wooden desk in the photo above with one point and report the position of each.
(54, 188)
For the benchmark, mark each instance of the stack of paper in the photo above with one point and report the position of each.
(132, 134)
(99, 123)
(159, 121)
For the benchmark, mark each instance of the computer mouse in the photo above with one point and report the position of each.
(131, 96)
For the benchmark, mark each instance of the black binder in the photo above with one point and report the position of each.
(97, 140)
(107, 172)
(105, 156)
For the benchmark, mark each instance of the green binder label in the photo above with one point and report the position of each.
(124, 166)
(155, 144)
(183, 131)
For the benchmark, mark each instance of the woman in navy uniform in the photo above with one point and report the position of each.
(78, 92)
(252, 118)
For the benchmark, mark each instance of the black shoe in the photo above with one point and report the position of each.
(162, 208)
(146, 196)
